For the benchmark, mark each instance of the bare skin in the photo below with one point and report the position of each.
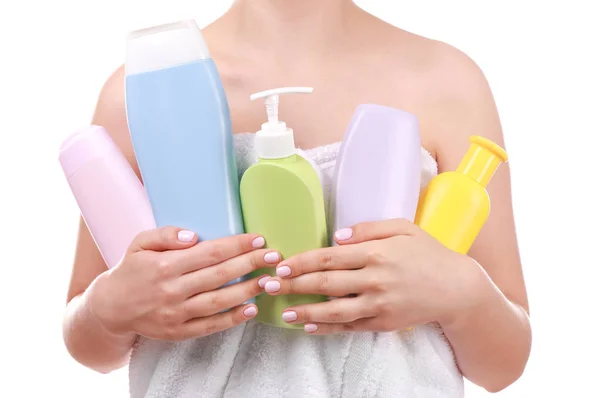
(349, 57)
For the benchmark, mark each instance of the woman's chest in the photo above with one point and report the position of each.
(318, 118)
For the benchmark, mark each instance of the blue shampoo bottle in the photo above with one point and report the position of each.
(180, 127)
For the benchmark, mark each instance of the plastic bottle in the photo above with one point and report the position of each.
(112, 200)
(455, 205)
(378, 170)
(282, 200)
(180, 126)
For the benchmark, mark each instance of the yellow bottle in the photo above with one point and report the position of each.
(455, 205)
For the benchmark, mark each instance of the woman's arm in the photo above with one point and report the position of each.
(85, 338)
(491, 342)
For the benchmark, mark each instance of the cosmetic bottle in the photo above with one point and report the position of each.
(111, 198)
(455, 205)
(378, 170)
(180, 127)
(282, 200)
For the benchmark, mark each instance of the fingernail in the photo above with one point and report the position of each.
(272, 286)
(262, 281)
(272, 258)
(250, 312)
(259, 242)
(284, 271)
(289, 316)
(343, 234)
(310, 328)
(185, 236)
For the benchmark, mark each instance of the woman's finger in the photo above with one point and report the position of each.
(375, 230)
(214, 277)
(327, 283)
(162, 239)
(326, 259)
(205, 254)
(343, 310)
(200, 327)
(359, 325)
(216, 301)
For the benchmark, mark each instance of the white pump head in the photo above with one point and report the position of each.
(275, 140)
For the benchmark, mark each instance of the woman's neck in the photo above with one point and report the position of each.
(313, 27)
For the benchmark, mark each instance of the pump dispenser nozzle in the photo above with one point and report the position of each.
(275, 140)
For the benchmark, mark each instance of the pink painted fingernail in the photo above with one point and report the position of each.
(343, 234)
(259, 242)
(185, 236)
(310, 328)
(284, 271)
(263, 281)
(272, 286)
(250, 312)
(289, 316)
(272, 258)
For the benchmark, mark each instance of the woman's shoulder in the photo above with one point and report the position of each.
(112, 95)
(446, 87)
(440, 64)
(110, 113)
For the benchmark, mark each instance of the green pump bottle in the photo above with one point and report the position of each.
(282, 200)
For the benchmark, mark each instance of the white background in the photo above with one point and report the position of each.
(539, 56)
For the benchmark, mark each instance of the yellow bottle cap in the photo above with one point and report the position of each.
(482, 159)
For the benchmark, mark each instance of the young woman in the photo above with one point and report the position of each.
(423, 316)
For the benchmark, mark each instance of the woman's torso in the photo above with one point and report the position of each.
(389, 67)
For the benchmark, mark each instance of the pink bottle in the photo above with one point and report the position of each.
(111, 198)
(378, 170)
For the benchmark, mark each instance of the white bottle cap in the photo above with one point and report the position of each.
(275, 140)
(164, 46)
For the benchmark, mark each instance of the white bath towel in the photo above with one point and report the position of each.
(260, 361)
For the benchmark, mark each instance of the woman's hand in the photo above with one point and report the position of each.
(169, 287)
(388, 275)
